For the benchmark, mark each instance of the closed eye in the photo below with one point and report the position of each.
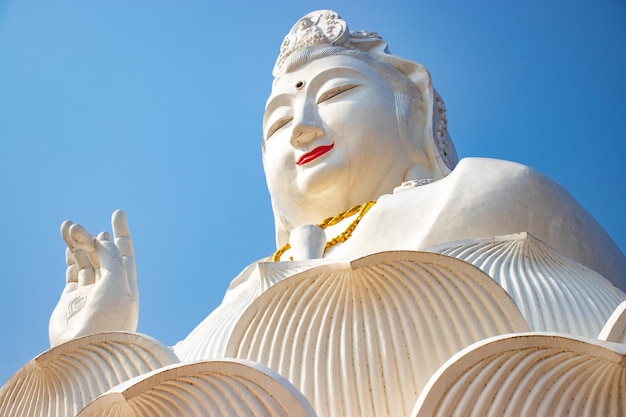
(333, 92)
(277, 125)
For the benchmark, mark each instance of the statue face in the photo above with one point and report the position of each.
(331, 134)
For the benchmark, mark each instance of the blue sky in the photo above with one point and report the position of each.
(155, 107)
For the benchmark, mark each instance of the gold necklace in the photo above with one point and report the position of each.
(331, 221)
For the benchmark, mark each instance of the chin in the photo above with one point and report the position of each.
(322, 180)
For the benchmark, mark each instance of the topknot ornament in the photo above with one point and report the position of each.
(322, 27)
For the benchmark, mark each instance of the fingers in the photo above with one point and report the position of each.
(121, 233)
(85, 253)
(71, 274)
(125, 244)
(83, 240)
(80, 256)
(86, 271)
(65, 232)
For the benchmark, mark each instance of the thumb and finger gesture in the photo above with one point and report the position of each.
(101, 284)
(88, 257)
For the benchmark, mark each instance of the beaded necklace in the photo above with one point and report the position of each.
(331, 221)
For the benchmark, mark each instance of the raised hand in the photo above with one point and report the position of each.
(100, 294)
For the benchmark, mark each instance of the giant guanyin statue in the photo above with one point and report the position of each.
(404, 283)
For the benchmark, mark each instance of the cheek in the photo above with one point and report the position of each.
(368, 127)
(370, 111)
(278, 149)
(278, 162)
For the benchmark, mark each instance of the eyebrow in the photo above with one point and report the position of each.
(287, 98)
(276, 102)
(323, 77)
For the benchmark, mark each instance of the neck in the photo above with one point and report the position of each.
(307, 241)
(312, 209)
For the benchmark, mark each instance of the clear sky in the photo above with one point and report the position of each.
(155, 107)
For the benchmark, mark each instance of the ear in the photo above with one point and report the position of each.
(436, 140)
(423, 111)
(416, 72)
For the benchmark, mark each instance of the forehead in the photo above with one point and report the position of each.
(323, 69)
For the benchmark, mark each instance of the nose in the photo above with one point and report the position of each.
(306, 126)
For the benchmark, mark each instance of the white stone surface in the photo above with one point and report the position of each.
(101, 292)
(535, 374)
(344, 126)
(615, 328)
(217, 388)
(362, 338)
(484, 198)
(61, 381)
(361, 330)
(554, 293)
(208, 340)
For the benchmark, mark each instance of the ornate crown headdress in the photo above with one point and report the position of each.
(322, 27)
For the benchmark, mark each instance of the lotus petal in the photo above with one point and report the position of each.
(554, 293)
(61, 381)
(540, 374)
(615, 328)
(362, 338)
(208, 340)
(215, 388)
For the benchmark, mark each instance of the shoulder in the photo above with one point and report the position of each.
(485, 197)
(494, 171)
(481, 191)
(494, 184)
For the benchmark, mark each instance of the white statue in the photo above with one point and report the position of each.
(359, 162)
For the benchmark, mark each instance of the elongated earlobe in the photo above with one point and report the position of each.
(418, 172)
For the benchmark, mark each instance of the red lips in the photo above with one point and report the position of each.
(314, 154)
